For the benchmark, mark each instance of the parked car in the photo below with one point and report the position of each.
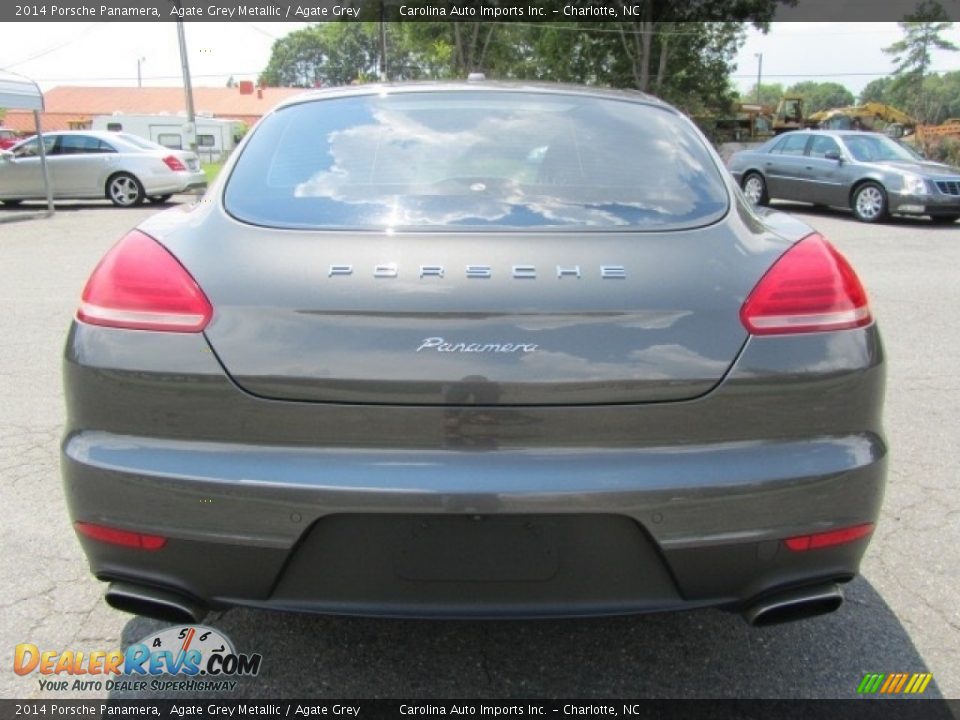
(869, 173)
(474, 350)
(8, 138)
(97, 165)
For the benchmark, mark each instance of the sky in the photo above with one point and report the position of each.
(106, 53)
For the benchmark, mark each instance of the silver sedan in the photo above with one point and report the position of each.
(97, 165)
(868, 173)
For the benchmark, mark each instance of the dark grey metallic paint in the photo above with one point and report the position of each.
(835, 181)
(654, 434)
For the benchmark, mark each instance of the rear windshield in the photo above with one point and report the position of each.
(470, 159)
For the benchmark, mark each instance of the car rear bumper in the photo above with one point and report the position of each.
(323, 507)
(167, 183)
(458, 533)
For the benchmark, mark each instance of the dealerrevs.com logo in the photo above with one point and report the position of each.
(198, 658)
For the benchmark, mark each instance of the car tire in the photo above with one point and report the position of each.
(159, 199)
(124, 190)
(869, 203)
(755, 188)
(944, 219)
(11, 203)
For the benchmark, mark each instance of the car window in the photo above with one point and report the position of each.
(31, 148)
(875, 148)
(82, 145)
(791, 145)
(820, 145)
(476, 159)
(206, 141)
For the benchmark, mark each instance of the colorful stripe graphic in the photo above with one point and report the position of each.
(894, 683)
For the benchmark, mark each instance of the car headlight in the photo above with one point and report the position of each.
(914, 185)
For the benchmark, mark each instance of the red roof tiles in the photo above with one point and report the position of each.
(68, 106)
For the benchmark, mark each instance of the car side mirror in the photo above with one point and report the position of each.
(833, 155)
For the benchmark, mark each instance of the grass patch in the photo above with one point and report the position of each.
(211, 170)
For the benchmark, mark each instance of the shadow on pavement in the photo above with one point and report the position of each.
(702, 654)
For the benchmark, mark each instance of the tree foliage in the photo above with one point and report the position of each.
(661, 50)
(922, 33)
(940, 96)
(323, 54)
(821, 95)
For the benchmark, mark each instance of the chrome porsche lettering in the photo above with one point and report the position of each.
(431, 271)
(441, 345)
(385, 271)
(613, 272)
(525, 272)
(482, 272)
(479, 271)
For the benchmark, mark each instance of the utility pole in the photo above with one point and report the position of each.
(187, 85)
(383, 44)
(759, 57)
(139, 78)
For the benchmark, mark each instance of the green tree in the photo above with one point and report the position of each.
(922, 33)
(324, 54)
(878, 90)
(660, 50)
(821, 95)
(770, 94)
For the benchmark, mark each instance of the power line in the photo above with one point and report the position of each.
(54, 48)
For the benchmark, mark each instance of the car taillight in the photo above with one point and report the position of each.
(173, 163)
(829, 538)
(139, 285)
(115, 536)
(811, 288)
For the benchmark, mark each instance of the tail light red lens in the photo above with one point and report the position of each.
(829, 538)
(174, 163)
(139, 285)
(125, 538)
(811, 288)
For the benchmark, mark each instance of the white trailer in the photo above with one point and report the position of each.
(215, 137)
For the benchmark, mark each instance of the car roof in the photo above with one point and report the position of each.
(542, 88)
(840, 133)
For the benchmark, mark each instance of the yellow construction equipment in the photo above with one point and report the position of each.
(789, 115)
(869, 116)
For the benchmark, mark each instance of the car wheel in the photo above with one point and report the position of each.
(944, 219)
(870, 203)
(159, 199)
(124, 190)
(11, 203)
(755, 188)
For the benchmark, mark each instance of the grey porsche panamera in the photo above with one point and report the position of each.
(474, 350)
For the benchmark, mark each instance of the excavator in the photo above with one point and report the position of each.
(888, 119)
(873, 116)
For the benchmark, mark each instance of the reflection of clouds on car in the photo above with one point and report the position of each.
(485, 161)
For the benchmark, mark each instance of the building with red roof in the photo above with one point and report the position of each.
(73, 107)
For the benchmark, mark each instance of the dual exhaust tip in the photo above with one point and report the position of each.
(790, 605)
(786, 606)
(153, 603)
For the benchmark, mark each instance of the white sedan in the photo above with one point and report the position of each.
(84, 164)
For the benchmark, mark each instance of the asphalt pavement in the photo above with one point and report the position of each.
(900, 616)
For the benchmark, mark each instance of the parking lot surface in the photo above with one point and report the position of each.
(900, 616)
